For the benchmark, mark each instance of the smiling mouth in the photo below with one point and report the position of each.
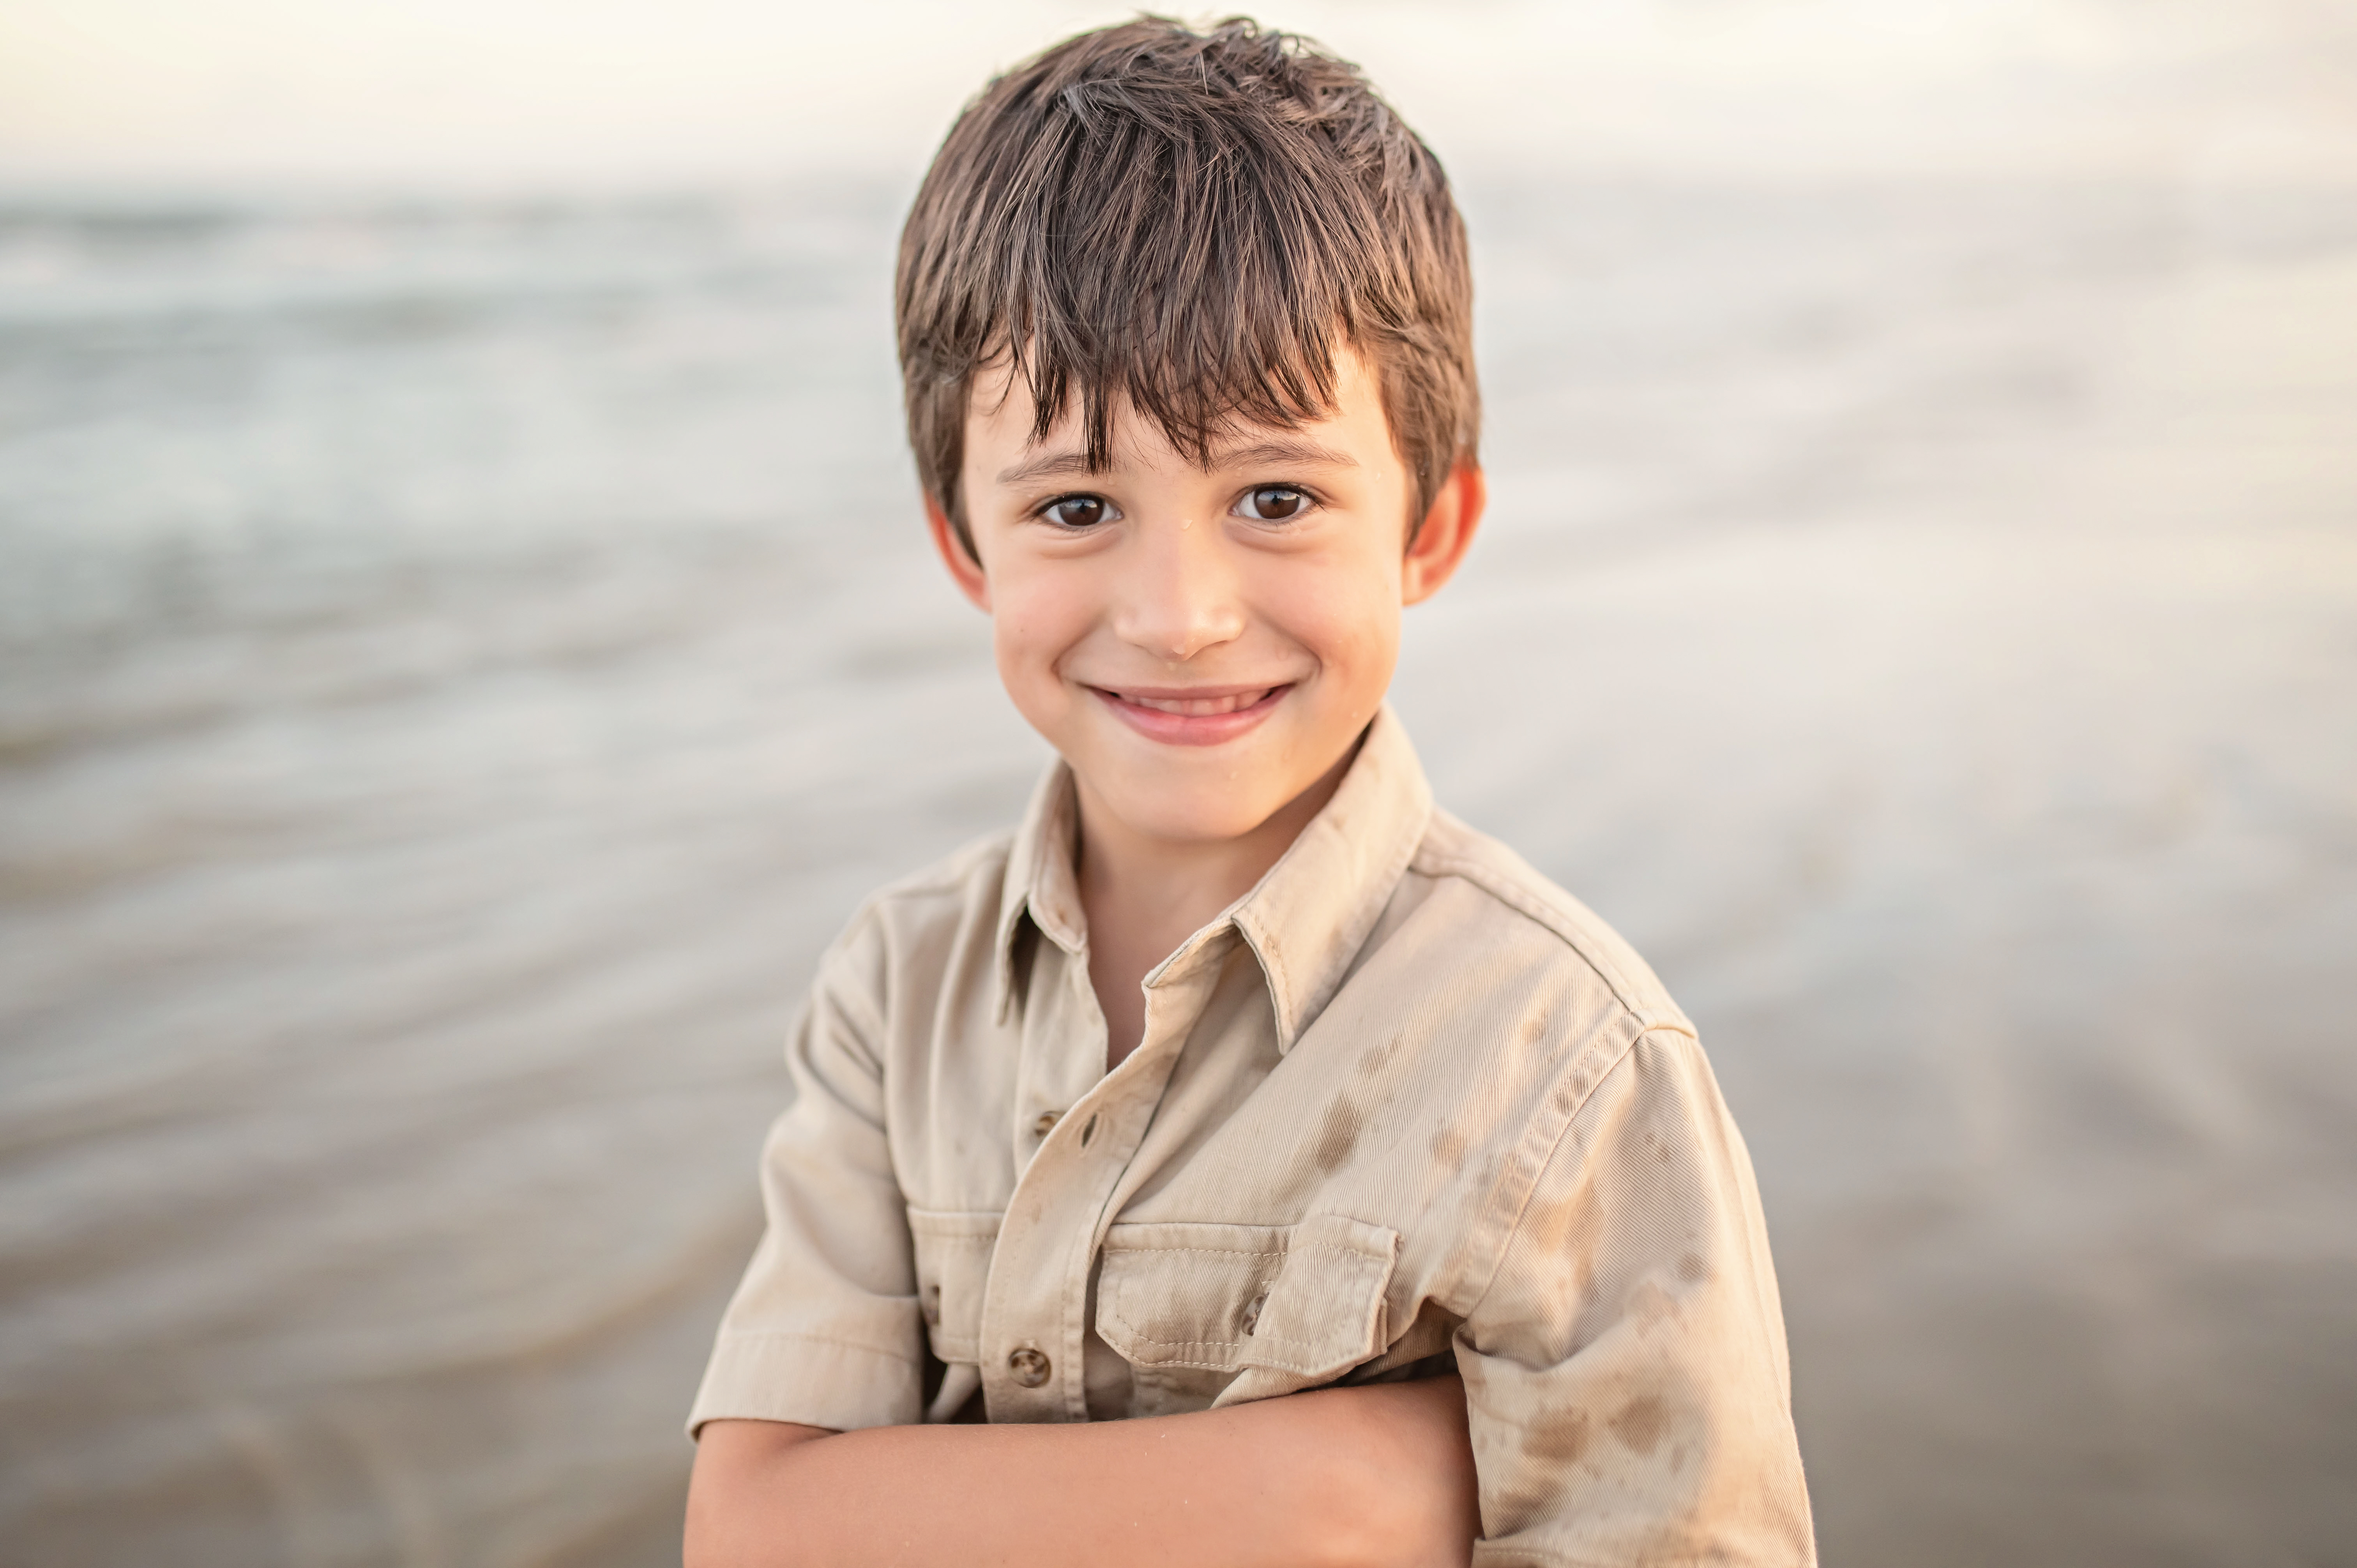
(1204, 716)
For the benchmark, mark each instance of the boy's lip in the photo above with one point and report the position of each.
(1193, 715)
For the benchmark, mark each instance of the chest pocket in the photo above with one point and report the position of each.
(1285, 1306)
(953, 1269)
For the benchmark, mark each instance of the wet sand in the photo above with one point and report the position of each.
(460, 663)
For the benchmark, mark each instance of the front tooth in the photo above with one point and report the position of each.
(1200, 707)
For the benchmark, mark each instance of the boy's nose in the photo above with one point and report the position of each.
(1180, 594)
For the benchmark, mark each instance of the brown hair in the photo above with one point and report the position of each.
(1193, 223)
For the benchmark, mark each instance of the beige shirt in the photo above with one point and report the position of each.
(1403, 1099)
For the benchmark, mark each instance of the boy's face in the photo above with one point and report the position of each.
(1201, 644)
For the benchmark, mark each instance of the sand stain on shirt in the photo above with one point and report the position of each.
(1338, 1138)
(1641, 1423)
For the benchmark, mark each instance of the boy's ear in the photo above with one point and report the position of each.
(965, 569)
(1447, 531)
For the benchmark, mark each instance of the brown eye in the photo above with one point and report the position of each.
(1078, 511)
(1274, 504)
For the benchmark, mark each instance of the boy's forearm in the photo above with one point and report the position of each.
(1350, 1478)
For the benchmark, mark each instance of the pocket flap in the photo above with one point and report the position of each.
(1306, 1299)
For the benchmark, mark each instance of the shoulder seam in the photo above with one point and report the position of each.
(947, 877)
(1539, 913)
(1579, 1104)
(948, 874)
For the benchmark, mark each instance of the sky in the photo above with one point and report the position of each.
(626, 93)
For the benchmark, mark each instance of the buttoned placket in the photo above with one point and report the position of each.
(1035, 1305)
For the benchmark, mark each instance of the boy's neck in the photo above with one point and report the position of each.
(1142, 895)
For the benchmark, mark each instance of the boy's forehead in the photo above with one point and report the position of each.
(1001, 415)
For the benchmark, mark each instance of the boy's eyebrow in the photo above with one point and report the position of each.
(1055, 464)
(1281, 451)
(1047, 464)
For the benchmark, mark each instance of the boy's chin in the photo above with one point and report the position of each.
(1198, 805)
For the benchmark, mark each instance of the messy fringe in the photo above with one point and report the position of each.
(1192, 224)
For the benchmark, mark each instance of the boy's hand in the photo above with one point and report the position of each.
(1379, 1477)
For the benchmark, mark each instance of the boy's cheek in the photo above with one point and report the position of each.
(1355, 632)
(1035, 634)
(1030, 640)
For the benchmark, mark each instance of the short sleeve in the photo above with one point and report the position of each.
(1625, 1369)
(824, 1329)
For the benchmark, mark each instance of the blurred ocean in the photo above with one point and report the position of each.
(458, 662)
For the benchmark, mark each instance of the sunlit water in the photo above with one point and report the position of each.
(457, 663)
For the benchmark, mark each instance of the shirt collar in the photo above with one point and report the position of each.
(1304, 920)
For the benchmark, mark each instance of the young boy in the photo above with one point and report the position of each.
(1242, 1161)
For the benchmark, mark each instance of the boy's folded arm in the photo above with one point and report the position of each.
(824, 1327)
(826, 1330)
(1361, 1477)
(1625, 1369)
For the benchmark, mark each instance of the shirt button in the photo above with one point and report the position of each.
(1029, 1366)
(1046, 1123)
(1252, 1312)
